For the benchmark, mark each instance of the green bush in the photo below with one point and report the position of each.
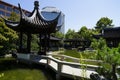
(10, 70)
(8, 38)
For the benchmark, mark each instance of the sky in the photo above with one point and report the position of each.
(78, 13)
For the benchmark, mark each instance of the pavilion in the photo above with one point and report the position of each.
(76, 43)
(54, 43)
(112, 36)
(33, 24)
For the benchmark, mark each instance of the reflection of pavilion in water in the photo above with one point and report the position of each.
(34, 24)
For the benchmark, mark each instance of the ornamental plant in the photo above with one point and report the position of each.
(110, 58)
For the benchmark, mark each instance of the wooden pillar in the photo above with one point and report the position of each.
(20, 45)
(40, 43)
(45, 47)
(28, 42)
(48, 42)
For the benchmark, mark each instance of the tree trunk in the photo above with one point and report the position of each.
(114, 77)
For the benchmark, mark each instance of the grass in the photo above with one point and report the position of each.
(87, 55)
(76, 54)
(72, 53)
(6, 59)
(22, 74)
(10, 70)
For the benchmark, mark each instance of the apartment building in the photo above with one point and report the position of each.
(6, 9)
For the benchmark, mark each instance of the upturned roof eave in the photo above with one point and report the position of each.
(11, 24)
(35, 22)
(41, 21)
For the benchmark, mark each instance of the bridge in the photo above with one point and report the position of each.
(61, 68)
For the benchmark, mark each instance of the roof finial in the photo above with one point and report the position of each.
(36, 4)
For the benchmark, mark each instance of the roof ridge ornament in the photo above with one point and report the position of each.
(36, 4)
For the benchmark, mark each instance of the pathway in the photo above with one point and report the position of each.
(62, 68)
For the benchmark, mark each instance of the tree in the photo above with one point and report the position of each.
(98, 44)
(34, 42)
(58, 35)
(103, 22)
(85, 33)
(7, 38)
(70, 34)
(14, 17)
(110, 58)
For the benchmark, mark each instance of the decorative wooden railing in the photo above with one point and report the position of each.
(59, 66)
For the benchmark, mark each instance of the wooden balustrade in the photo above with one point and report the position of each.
(59, 63)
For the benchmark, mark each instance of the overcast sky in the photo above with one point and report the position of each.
(79, 13)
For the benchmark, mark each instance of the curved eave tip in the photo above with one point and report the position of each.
(58, 16)
(19, 5)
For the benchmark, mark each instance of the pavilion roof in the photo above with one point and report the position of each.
(75, 40)
(111, 32)
(34, 23)
(52, 38)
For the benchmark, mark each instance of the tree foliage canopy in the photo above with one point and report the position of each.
(58, 35)
(7, 37)
(70, 34)
(109, 56)
(85, 33)
(104, 22)
(14, 17)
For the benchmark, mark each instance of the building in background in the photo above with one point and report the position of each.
(6, 9)
(51, 13)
